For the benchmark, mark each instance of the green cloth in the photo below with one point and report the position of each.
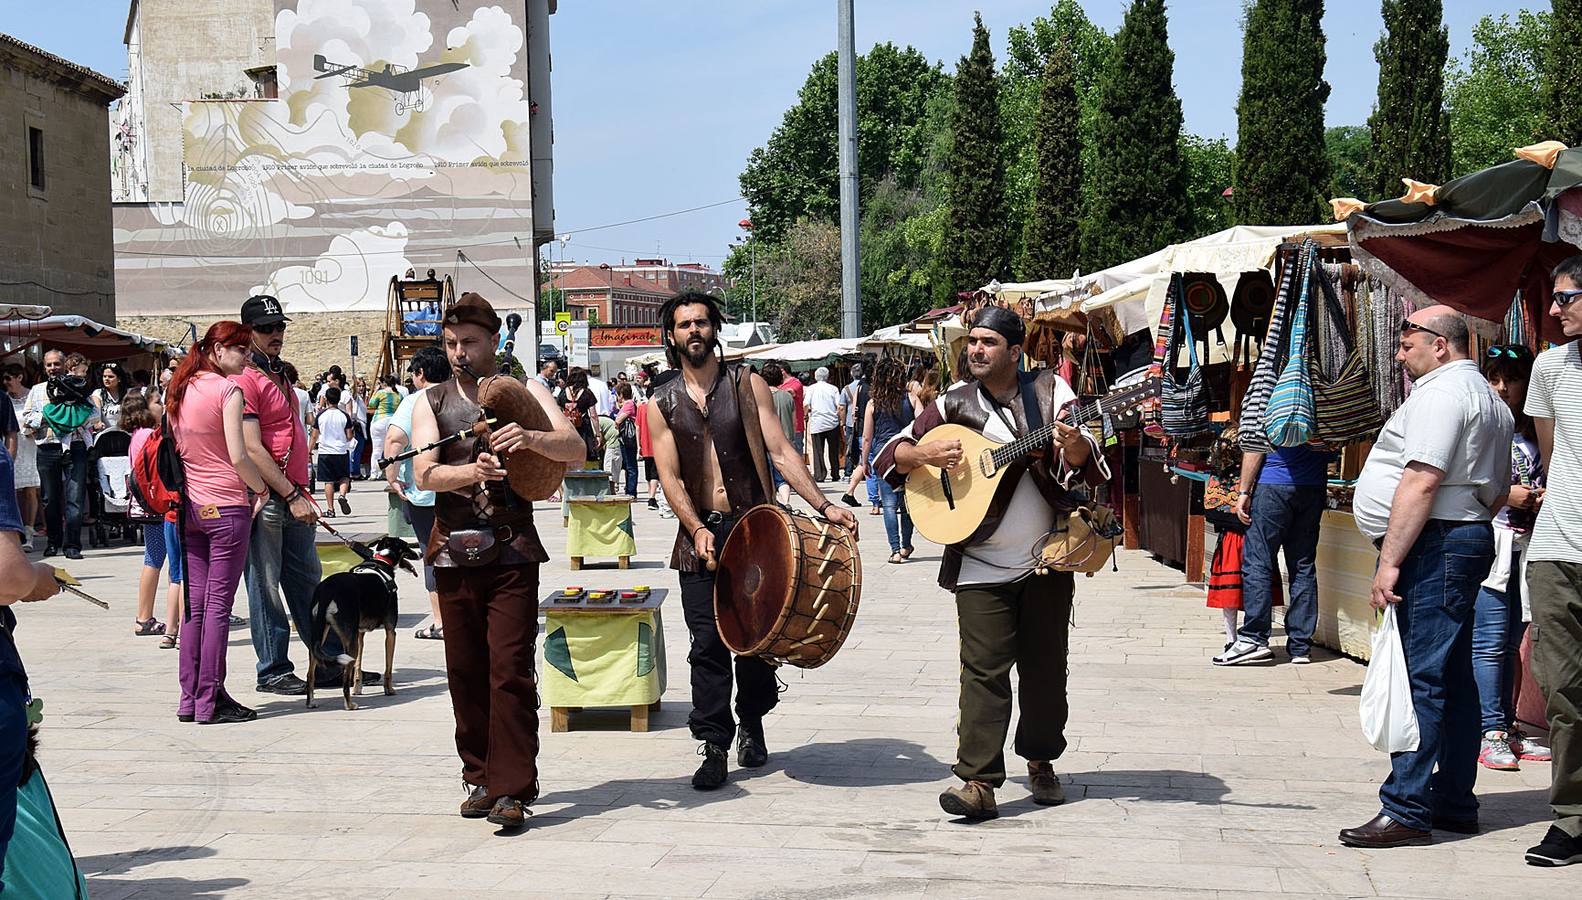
(614, 659)
(396, 524)
(64, 418)
(600, 529)
(382, 403)
(38, 864)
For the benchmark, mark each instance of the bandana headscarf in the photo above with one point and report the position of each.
(1007, 323)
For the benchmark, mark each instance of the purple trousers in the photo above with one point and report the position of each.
(216, 553)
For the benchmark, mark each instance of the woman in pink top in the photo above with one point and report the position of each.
(204, 406)
(627, 413)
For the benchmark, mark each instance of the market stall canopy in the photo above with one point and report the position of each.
(895, 337)
(75, 334)
(800, 356)
(22, 311)
(1474, 242)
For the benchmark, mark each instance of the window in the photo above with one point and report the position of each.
(35, 157)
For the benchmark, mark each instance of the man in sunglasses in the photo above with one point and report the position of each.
(1427, 493)
(1554, 564)
(281, 556)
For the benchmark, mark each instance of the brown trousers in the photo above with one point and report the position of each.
(490, 616)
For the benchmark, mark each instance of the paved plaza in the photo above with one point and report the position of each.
(1184, 780)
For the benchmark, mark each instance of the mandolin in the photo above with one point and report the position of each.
(948, 506)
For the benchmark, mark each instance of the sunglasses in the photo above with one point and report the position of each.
(1563, 299)
(1507, 352)
(277, 328)
(1409, 326)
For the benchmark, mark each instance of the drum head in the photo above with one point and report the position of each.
(754, 580)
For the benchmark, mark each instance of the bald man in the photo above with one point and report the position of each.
(1431, 485)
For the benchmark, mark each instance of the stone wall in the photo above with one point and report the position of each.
(314, 341)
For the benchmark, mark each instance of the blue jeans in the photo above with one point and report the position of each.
(1497, 630)
(873, 479)
(1284, 517)
(1438, 587)
(629, 463)
(63, 486)
(897, 523)
(281, 559)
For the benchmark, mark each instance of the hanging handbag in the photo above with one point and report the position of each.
(1183, 405)
(1288, 421)
(1270, 361)
(1344, 406)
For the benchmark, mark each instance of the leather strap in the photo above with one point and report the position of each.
(747, 408)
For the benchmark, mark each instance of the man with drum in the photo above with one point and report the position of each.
(713, 432)
(485, 552)
(1008, 615)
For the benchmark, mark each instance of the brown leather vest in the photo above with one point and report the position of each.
(511, 518)
(741, 454)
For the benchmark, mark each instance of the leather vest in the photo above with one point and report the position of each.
(511, 516)
(742, 458)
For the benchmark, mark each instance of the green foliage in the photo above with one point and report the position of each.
(1494, 93)
(900, 236)
(1411, 137)
(799, 281)
(1137, 202)
(797, 173)
(1282, 172)
(975, 186)
(1210, 165)
(1563, 75)
(1347, 147)
(1052, 235)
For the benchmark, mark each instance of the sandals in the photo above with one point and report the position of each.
(169, 642)
(431, 633)
(148, 627)
(906, 552)
(876, 511)
(897, 558)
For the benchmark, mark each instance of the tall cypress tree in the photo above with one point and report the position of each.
(1053, 234)
(1282, 169)
(975, 248)
(1411, 132)
(1138, 199)
(1563, 75)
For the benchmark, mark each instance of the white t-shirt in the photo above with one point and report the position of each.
(1555, 392)
(332, 423)
(823, 405)
(304, 406)
(601, 394)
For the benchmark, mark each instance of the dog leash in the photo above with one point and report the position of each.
(357, 547)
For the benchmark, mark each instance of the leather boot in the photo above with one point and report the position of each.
(477, 804)
(711, 774)
(750, 750)
(1045, 784)
(974, 800)
(508, 812)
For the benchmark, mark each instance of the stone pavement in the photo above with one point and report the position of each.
(1184, 780)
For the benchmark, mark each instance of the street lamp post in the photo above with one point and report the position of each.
(752, 265)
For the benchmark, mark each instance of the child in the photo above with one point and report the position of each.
(140, 414)
(333, 435)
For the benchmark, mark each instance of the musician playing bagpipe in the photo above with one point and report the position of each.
(486, 553)
(714, 432)
(1009, 613)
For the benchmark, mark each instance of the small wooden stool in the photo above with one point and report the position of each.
(603, 655)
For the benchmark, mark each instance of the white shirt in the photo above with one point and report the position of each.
(332, 425)
(304, 406)
(1555, 392)
(601, 393)
(1454, 422)
(823, 407)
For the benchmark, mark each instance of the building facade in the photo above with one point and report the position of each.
(607, 296)
(56, 245)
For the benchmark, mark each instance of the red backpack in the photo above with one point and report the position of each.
(157, 474)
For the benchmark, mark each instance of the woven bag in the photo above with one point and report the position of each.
(1344, 405)
(1183, 405)
(1289, 420)
(1266, 370)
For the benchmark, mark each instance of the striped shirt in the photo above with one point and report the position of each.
(1555, 392)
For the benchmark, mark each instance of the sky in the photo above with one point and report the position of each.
(657, 103)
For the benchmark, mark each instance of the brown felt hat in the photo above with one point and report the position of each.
(472, 309)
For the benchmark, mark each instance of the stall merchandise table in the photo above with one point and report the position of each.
(600, 527)
(603, 654)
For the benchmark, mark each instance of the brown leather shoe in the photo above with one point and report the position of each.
(477, 804)
(1045, 784)
(1384, 831)
(508, 812)
(974, 800)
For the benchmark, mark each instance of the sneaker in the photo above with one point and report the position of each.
(73, 553)
(1301, 659)
(711, 774)
(477, 804)
(1496, 752)
(653, 503)
(237, 621)
(666, 514)
(225, 715)
(849, 500)
(1045, 784)
(1243, 652)
(750, 750)
(973, 800)
(1556, 849)
(286, 685)
(51, 550)
(1529, 749)
(346, 504)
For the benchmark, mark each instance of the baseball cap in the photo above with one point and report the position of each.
(262, 309)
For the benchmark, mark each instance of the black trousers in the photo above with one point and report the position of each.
(826, 444)
(63, 483)
(711, 661)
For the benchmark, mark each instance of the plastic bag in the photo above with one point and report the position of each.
(1389, 721)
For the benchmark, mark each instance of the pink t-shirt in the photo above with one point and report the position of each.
(793, 386)
(278, 421)
(200, 439)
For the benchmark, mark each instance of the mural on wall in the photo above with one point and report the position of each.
(400, 136)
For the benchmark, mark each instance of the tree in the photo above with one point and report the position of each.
(797, 173)
(1210, 166)
(1563, 74)
(1282, 173)
(1137, 201)
(900, 233)
(975, 192)
(1053, 232)
(802, 277)
(1347, 147)
(1494, 93)
(1409, 127)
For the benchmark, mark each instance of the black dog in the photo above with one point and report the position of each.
(353, 604)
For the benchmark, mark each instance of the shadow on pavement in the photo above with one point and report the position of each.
(97, 868)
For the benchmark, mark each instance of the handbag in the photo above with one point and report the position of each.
(1288, 421)
(473, 547)
(1183, 405)
(1344, 406)
(1271, 359)
(1083, 542)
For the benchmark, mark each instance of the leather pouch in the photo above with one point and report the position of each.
(473, 547)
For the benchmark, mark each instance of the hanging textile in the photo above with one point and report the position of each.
(1271, 359)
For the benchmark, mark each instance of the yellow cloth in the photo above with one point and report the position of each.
(336, 558)
(615, 659)
(600, 529)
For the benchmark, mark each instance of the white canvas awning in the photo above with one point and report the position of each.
(76, 334)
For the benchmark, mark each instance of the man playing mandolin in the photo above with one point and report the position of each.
(713, 431)
(1007, 613)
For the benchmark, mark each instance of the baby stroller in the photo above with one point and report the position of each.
(112, 468)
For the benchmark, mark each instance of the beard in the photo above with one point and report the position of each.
(702, 354)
